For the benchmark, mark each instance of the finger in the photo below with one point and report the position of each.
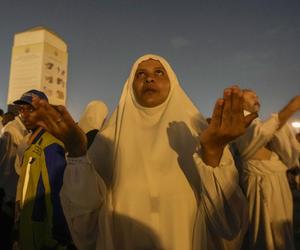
(237, 96)
(71, 127)
(35, 102)
(42, 108)
(249, 118)
(237, 114)
(48, 118)
(234, 86)
(216, 118)
(39, 113)
(51, 115)
(65, 114)
(226, 115)
(41, 124)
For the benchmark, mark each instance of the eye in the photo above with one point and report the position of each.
(26, 109)
(159, 72)
(140, 74)
(30, 110)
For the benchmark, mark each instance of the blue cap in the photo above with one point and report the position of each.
(26, 98)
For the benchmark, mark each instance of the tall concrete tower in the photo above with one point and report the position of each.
(39, 61)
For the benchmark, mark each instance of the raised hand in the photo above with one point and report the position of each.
(295, 103)
(58, 121)
(227, 123)
(292, 107)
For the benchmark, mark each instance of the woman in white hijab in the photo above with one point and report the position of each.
(92, 119)
(149, 181)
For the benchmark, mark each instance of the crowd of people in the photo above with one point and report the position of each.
(153, 175)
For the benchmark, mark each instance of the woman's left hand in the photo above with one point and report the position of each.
(227, 123)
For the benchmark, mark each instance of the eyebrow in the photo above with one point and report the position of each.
(156, 68)
(160, 68)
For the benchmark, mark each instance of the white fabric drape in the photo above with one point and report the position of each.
(266, 185)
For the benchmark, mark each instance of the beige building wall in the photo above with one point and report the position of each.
(39, 61)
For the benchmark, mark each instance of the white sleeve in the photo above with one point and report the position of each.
(257, 135)
(14, 132)
(83, 197)
(285, 144)
(224, 203)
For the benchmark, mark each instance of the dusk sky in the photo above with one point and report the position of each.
(210, 45)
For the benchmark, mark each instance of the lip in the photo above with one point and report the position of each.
(149, 89)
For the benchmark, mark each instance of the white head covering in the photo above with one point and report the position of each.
(147, 171)
(93, 116)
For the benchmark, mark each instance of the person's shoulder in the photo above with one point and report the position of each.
(14, 125)
(51, 143)
(9, 126)
(50, 139)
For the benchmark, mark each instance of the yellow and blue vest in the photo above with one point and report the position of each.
(42, 222)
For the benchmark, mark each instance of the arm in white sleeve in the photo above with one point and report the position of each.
(83, 197)
(257, 135)
(224, 203)
(285, 144)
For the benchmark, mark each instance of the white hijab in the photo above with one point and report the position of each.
(141, 153)
(93, 116)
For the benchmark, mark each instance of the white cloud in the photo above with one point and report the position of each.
(179, 42)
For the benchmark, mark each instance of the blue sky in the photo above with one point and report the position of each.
(210, 44)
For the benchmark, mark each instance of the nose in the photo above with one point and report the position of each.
(24, 115)
(149, 79)
(257, 99)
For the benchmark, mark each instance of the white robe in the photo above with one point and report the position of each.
(12, 143)
(265, 183)
(144, 186)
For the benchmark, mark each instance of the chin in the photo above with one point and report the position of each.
(150, 103)
(30, 127)
(256, 109)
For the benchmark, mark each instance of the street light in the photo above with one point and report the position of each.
(296, 126)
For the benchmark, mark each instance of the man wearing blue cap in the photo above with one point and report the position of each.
(42, 224)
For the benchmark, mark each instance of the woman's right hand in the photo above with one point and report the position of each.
(58, 122)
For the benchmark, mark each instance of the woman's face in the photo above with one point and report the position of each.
(151, 84)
